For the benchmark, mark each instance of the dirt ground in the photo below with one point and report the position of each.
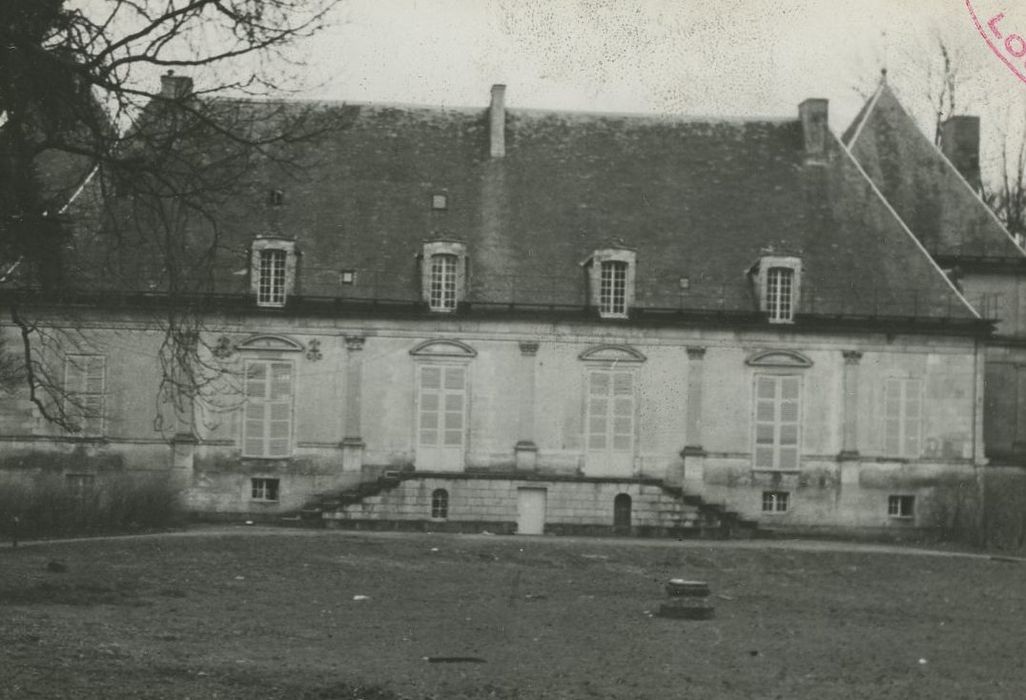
(380, 617)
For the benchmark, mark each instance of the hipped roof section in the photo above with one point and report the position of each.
(700, 201)
(924, 188)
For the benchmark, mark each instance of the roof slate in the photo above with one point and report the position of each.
(697, 200)
(925, 190)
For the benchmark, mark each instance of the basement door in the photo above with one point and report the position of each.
(531, 511)
(609, 427)
(441, 417)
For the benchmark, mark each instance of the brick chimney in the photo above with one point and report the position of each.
(175, 87)
(815, 131)
(497, 121)
(960, 143)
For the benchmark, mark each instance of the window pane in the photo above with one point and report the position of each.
(789, 435)
(764, 434)
(429, 438)
(454, 378)
(431, 377)
(453, 421)
(597, 441)
(622, 426)
(623, 384)
(623, 407)
(454, 402)
(788, 458)
(429, 420)
(789, 411)
(766, 388)
(599, 383)
(764, 411)
(428, 402)
(789, 387)
(764, 457)
(622, 443)
(453, 438)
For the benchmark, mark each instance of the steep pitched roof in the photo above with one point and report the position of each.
(926, 191)
(699, 200)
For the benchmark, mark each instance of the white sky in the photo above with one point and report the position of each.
(716, 57)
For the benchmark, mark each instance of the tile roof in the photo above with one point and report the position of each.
(927, 192)
(696, 199)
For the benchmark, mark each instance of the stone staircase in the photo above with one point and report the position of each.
(684, 514)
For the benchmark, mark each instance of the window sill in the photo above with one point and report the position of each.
(771, 470)
(270, 305)
(262, 502)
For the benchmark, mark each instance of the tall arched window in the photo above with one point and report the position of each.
(440, 504)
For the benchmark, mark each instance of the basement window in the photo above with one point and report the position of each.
(264, 490)
(901, 506)
(775, 501)
(440, 504)
(79, 485)
(440, 202)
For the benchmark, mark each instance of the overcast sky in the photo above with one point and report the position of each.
(715, 57)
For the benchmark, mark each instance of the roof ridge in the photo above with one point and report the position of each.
(960, 176)
(868, 110)
(908, 231)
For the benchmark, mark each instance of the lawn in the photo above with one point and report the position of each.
(257, 613)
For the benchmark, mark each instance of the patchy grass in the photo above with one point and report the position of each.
(277, 615)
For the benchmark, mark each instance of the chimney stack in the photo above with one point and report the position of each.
(813, 114)
(175, 87)
(960, 143)
(497, 121)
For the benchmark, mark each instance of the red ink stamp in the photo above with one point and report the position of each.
(1003, 31)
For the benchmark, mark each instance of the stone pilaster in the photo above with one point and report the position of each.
(525, 451)
(696, 375)
(850, 425)
(352, 443)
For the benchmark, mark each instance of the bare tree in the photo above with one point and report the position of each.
(83, 116)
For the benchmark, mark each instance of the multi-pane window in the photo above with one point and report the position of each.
(442, 407)
(780, 293)
(80, 486)
(613, 288)
(85, 387)
(777, 421)
(267, 425)
(901, 506)
(610, 426)
(440, 504)
(903, 417)
(775, 501)
(264, 489)
(271, 285)
(442, 290)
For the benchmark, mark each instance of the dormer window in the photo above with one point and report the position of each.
(443, 274)
(611, 281)
(613, 288)
(273, 271)
(779, 282)
(271, 289)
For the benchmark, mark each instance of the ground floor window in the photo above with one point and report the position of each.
(775, 501)
(264, 489)
(440, 504)
(901, 506)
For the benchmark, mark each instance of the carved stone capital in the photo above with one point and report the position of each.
(354, 342)
(851, 357)
(529, 347)
(695, 352)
